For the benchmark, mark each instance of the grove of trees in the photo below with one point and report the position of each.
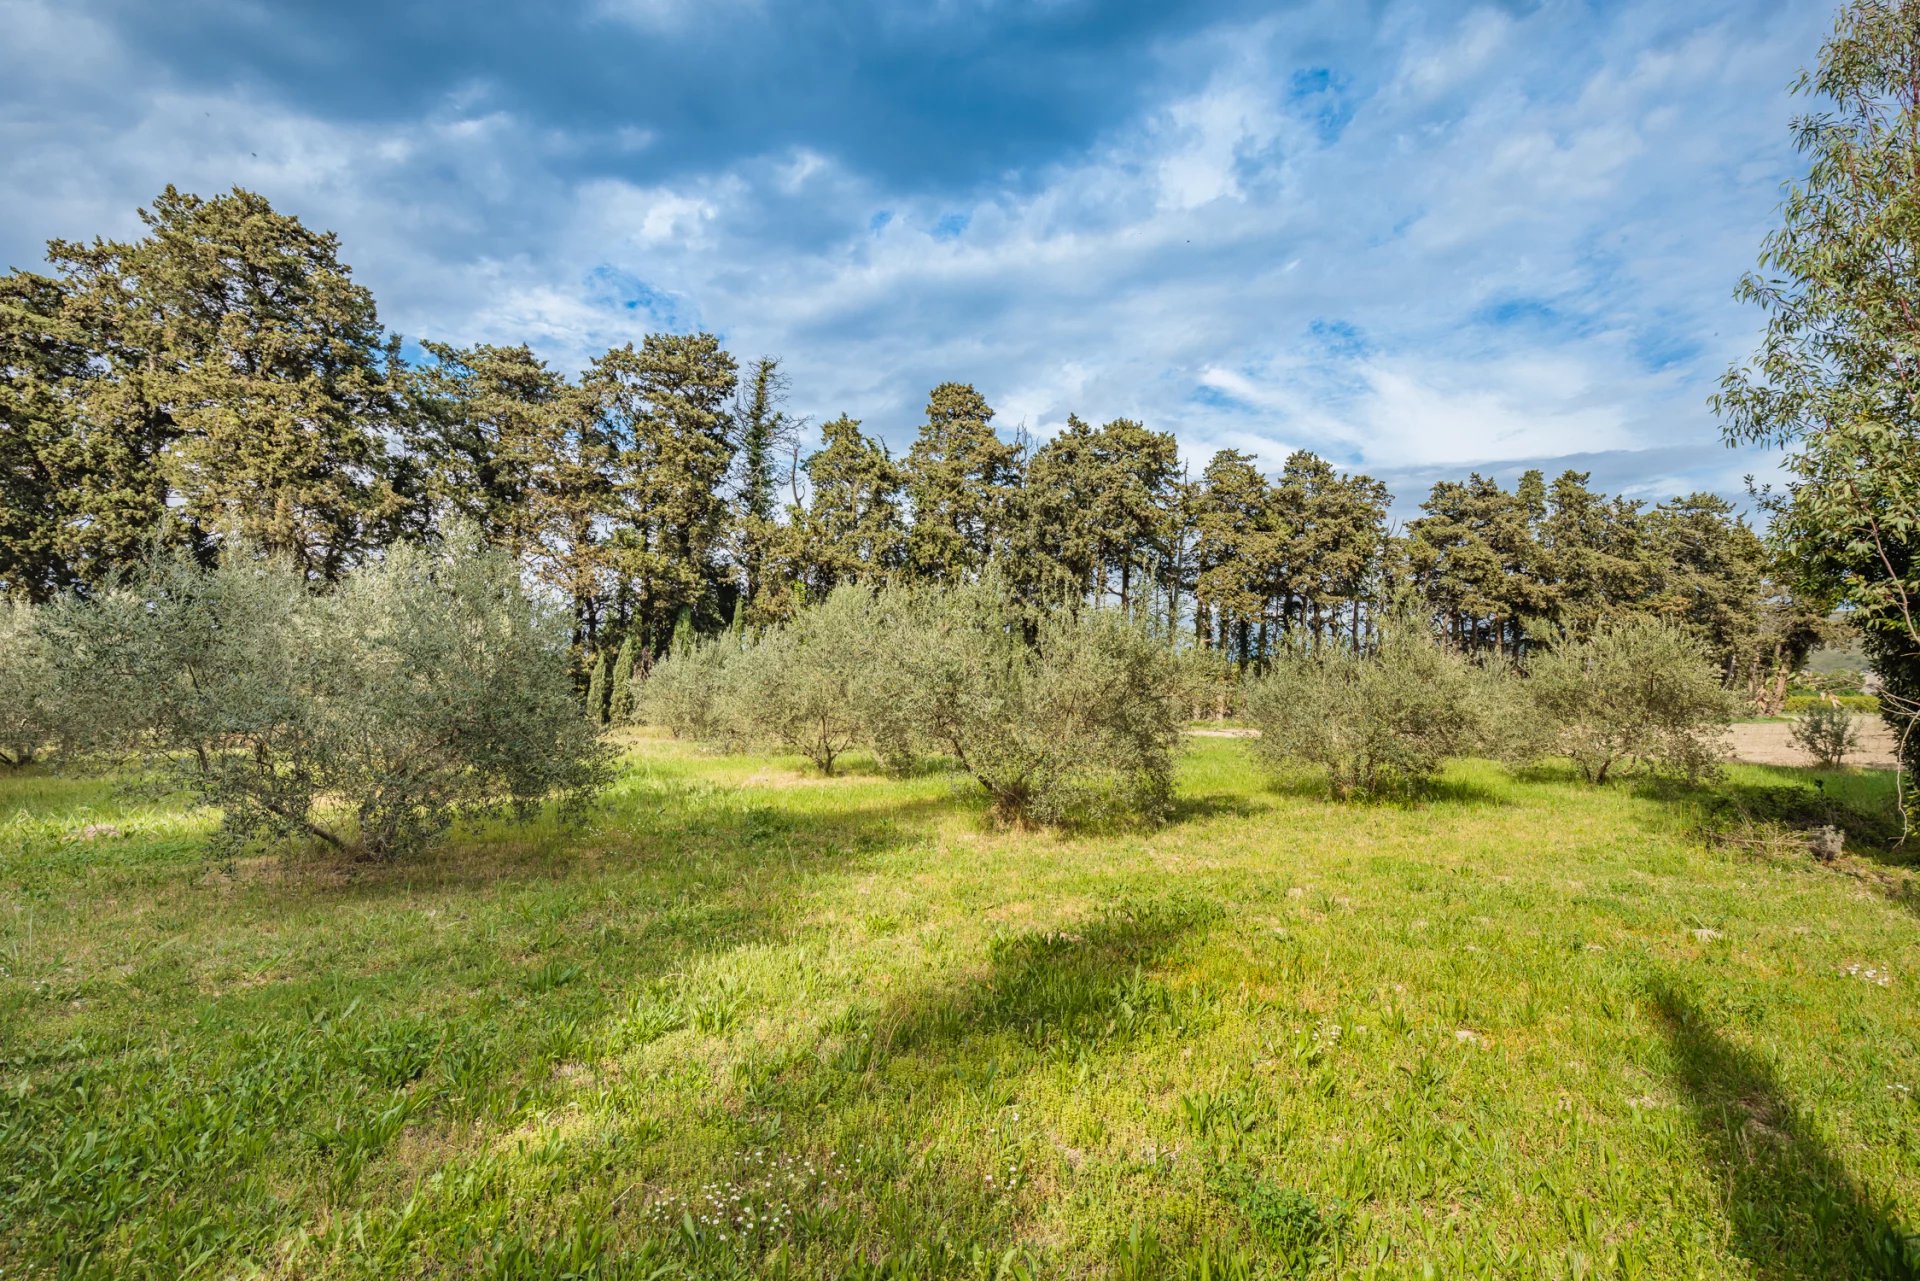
(225, 379)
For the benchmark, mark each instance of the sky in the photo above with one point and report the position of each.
(1416, 238)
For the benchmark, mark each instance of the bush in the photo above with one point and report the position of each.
(423, 688)
(1796, 704)
(800, 685)
(1827, 734)
(26, 687)
(1370, 721)
(1077, 728)
(688, 691)
(1638, 694)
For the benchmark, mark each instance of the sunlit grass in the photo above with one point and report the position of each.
(751, 1022)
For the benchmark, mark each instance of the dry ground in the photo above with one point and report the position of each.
(1756, 742)
(1771, 743)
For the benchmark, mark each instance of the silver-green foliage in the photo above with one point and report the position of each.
(801, 686)
(1077, 727)
(1070, 718)
(27, 720)
(426, 686)
(1639, 694)
(688, 690)
(1826, 733)
(1370, 721)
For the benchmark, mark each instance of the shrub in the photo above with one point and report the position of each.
(1638, 694)
(1077, 728)
(887, 701)
(800, 685)
(423, 688)
(687, 691)
(26, 686)
(1827, 734)
(1370, 721)
(1798, 703)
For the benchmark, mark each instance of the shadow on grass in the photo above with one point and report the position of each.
(368, 1024)
(1794, 1209)
(1772, 812)
(1081, 984)
(1400, 795)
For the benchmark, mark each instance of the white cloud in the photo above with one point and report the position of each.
(1613, 173)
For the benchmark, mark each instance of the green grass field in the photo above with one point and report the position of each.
(751, 1022)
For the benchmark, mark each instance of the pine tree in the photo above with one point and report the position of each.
(43, 365)
(509, 444)
(242, 361)
(664, 410)
(961, 479)
(854, 524)
(1236, 551)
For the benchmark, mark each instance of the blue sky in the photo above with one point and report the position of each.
(1418, 238)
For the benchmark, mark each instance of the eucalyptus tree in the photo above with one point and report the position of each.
(1836, 381)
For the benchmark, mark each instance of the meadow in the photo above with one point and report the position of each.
(752, 1022)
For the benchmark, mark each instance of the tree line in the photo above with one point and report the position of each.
(223, 377)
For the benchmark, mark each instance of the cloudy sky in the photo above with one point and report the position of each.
(1415, 237)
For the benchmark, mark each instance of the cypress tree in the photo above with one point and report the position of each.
(683, 631)
(623, 683)
(597, 690)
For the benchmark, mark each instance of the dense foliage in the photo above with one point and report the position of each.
(426, 686)
(226, 369)
(1835, 381)
(1639, 694)
(27, 709)
(1371, 720)
(1067, 716)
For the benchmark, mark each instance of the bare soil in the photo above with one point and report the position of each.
(1771, 743)
(1756, 742)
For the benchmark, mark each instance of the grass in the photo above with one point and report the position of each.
(750, 1022)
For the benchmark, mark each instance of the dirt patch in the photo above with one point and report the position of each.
(1757, 743)
(1771, 743)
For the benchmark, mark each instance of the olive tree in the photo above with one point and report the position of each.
(1076, 727)
(800, 684)
(27, 709)
(1369, 721)
(687, 690)
(1637, 694)
(426, 686)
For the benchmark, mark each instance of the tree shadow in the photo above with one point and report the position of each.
(1404, 795)
(1794, 1209)
(1776, 817)
(1081, 984)
(1197, 808)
